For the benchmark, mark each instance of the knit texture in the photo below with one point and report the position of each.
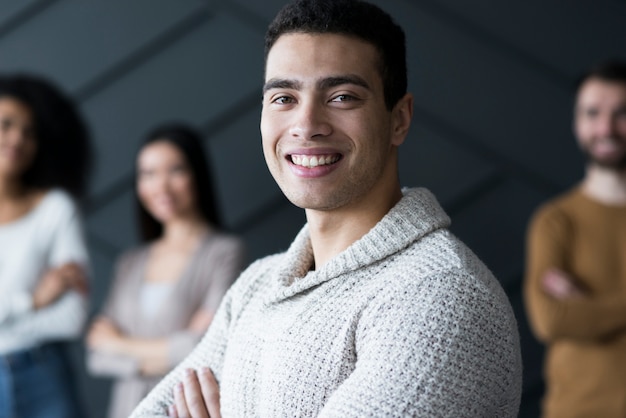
(405, 322)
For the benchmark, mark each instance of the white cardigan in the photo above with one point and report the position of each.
(405, 322)
(48, 236)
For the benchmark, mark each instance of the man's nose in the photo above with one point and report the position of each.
(607, 126)
(310, 121)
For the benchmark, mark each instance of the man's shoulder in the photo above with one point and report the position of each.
(441, 263)
(559, 205)
(441, 251)
(559, 213)
(456, 291)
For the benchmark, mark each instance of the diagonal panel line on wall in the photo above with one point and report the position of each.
(249, 102)
(554, 75)
(249, 18)
(115, 189)
(473, 145)
(138, 57)
(26, 14)
(474, 193)
(103, 245)
(211, 128)
(221, 121)
(262, 213)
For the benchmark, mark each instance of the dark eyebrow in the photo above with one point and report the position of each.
(330, 82)
(324, 83)
(281, 83)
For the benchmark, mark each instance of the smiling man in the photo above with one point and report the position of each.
(576, 267)
(376, 309)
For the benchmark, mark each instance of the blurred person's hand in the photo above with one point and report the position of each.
(104, 335)
(560, 285)
(56, 281)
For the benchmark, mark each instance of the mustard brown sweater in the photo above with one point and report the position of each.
(585, 364)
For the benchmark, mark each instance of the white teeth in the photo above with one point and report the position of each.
(313, 160)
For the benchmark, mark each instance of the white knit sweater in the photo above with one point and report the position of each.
(405, 322)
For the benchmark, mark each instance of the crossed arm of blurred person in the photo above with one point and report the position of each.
(54, 309)
(48, 301)
(149, 356)
(561, 286)
(559, 306)
(57, 281)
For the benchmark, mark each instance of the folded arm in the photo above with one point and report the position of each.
(207, 354)
(558, 305)
(113, 353)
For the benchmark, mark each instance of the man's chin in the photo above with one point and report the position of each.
(310, 202)
(617, 164)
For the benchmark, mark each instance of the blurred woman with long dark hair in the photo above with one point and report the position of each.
(166, 291)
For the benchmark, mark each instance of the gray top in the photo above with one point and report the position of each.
(214, 266)
(407, 321)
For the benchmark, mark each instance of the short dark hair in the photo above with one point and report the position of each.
(613, 70)
(63, 157)
(353, 18)
(189, 142)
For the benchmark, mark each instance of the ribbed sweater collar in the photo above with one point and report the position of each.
(416, 215)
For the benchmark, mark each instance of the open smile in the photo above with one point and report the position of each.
(311, 161)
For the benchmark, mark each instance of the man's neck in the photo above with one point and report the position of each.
(333, 231)
(605, 185)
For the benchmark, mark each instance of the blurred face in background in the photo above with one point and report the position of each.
(165, 182)
(18, 144)
(600, 122)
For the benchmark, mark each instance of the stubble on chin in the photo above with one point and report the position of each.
(616, 165)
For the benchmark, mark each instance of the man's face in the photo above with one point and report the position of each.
(328, 139)
(600, 122)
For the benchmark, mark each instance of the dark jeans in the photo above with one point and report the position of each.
(36, 383)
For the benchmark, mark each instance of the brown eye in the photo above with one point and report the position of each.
(283, 100)
(343, 98)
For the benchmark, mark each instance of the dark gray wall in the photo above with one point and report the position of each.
(491, 134)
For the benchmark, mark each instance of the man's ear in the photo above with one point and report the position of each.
(401, 116)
